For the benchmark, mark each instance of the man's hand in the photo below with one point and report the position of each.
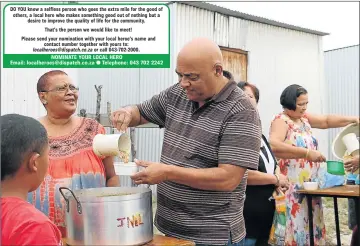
(154, 173)
(352, 164)
(121, 119)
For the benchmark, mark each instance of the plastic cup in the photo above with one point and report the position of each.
(352, 143)
(125, 169)
(112, 144)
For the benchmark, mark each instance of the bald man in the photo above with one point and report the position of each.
(212, 136)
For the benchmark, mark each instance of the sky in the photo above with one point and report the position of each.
(340, 19)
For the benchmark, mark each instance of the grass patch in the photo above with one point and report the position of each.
(329, 218)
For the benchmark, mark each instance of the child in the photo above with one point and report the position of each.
(24, 162)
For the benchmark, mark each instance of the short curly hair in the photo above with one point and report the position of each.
(42, 82)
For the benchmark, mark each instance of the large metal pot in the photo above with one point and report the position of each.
(108, 216)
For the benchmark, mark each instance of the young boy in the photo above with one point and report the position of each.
(24, 163)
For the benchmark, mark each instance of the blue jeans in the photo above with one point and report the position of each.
(255, 242)
(241, 243)
(250, 242)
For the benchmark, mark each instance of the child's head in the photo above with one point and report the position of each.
(24, 150)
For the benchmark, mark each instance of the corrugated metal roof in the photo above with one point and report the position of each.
(350, 46)
(229, 12)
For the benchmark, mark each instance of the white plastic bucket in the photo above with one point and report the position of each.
(338, 147)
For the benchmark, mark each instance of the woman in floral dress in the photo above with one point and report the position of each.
(293, 142)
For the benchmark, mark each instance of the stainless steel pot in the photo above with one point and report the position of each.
(108, 216)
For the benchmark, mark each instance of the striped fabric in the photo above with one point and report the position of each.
(225, 130)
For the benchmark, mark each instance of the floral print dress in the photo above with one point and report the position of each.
(298, 170)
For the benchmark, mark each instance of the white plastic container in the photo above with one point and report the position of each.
(352, 144)
(311, 185)
(111, 144)
(338, 147)
(125, 169)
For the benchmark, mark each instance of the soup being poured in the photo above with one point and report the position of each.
(124, 156)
